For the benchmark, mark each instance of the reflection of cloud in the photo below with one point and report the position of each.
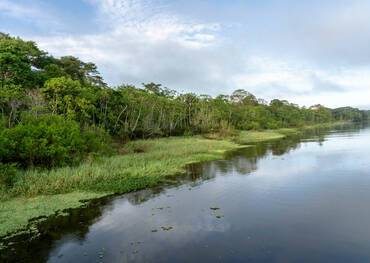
(136, 222)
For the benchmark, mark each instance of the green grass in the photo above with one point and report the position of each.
(289, 131)
(16, 213)
(326, 125)
(145, 164)
(246, 137)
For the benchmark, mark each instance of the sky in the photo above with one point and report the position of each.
(308, 51)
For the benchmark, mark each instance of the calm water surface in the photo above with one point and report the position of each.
(293, 200)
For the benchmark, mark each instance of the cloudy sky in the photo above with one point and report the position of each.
(308, 52)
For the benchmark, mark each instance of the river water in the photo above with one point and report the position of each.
(293, 200)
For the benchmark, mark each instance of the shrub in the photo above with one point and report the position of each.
(46, 141)
(8, 173)
(97, 140)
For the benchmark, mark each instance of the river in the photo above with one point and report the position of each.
(293, 200)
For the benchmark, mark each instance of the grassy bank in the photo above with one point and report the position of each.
(142, 164)
(16, 213)
(246, 137)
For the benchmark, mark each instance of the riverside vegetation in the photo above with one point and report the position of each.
(65, 135)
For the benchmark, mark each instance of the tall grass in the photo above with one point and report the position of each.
(246, 137)
(145, 164)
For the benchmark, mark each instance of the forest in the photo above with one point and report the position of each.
(57, 111)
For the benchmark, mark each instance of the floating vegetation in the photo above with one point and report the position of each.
(160, 208)
(215, 208)
(164, 228)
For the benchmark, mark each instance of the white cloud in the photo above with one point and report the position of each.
(13, 9)
(32, 13)
(149, 20)
(305, 84)
(142, 40)
(325, 32)
(140, 45)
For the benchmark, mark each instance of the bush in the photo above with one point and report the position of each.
(188, 133)
(46, 141)
(97, 140)
(8, 173)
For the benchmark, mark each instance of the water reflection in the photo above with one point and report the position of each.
(266, 199)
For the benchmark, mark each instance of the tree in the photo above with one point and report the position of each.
(18, 62)
(68, 97)
(85, 73)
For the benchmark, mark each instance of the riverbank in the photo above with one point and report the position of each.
(142, 164)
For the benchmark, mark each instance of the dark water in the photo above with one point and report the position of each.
(294, 200)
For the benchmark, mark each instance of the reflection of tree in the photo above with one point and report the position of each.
(142, 196)
(245, 165)
(243, 161)
(285, 146)
(78, 222)
(28, 248)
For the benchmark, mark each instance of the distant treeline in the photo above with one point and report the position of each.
(55, 110)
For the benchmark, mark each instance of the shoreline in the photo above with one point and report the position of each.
(147, 163)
